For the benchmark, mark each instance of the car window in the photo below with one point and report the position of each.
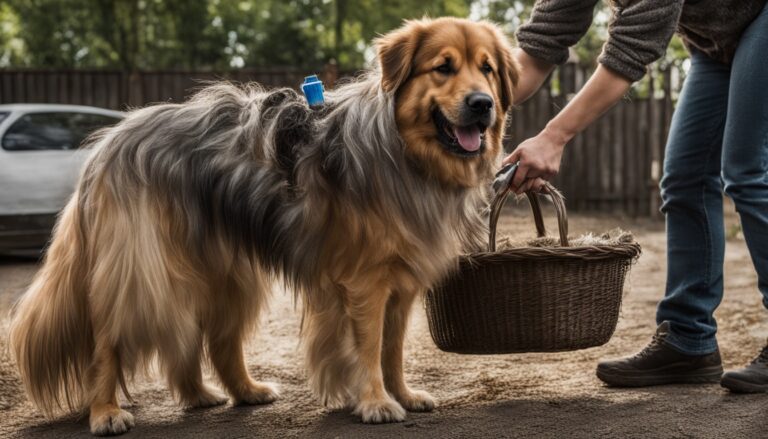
(62, 130)
(3, 115)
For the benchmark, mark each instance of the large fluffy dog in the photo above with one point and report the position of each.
(187, 211)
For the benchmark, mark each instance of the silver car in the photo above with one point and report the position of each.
(40, 160)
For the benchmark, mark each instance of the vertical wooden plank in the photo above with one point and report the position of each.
(98, 90)
(4, 89)
(588, 167)
(13, 88)
(113, 88)
(623, 148)
(518, 123)
(606, 157)
(638, 145)
(73, 83)
(26, 86)
(150, 89)
(51, 88)
(529, 111)
(45, 90)
(580, 148)
(116, 91)
(171, 82)
(62, 89)
(543, 107)
(569, 168)
(29, 84)
(642, 158)
(5, 83)
(166, 87)
(631, 128)
(617, 147)
(181, 82)
(134, 88)
(88, 88)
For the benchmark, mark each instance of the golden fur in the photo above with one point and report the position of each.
(187, 212)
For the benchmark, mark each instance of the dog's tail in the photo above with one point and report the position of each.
(51, 334)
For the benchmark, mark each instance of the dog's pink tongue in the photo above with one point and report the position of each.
(468, 137)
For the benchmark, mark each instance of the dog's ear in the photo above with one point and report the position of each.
(509, 71)
(396, 51)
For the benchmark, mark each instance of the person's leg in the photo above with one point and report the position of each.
(684, 348)
(691, 192)
(745, 146)
(745, 170)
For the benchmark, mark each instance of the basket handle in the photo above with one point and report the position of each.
(503, 187)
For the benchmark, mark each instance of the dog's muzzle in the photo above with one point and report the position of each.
(466, 138)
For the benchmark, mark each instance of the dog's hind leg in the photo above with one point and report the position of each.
(395, 325)
(185, 377)
(106, 416)
(230, 322)
(226, 354)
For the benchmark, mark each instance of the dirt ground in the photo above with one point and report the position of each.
(524, 395)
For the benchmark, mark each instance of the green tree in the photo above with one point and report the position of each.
(216, 34)
(11, 46)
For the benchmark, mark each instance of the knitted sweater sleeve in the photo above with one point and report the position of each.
(638, 34)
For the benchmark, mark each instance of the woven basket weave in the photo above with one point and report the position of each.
(531, 299)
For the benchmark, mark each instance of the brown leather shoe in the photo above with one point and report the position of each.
(750, 379)
(659, 363)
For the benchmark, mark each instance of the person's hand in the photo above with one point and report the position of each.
(539, 159)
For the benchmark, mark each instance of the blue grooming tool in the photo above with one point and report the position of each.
(313, 90)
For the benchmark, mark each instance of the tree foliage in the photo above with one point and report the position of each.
(217, 34)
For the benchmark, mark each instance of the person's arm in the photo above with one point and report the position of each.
(638, 35)
(533, 73)
(544, 39)
(540, 156)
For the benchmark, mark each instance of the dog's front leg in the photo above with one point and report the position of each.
(374, 405)
(396, 323)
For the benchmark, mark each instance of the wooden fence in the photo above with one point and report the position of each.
(614, 166)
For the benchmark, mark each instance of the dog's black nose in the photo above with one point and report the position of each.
(479, 103)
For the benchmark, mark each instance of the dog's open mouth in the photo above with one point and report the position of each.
(464, 141)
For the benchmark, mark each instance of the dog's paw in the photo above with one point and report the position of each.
(110, 421)
(206, 398)
(379, 411)
(258, 393)
(417, 401)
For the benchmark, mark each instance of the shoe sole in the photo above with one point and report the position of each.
(738, 386)
(707, 375)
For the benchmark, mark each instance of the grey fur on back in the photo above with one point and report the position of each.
(266, 171)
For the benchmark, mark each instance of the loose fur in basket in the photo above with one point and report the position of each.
(613, 237)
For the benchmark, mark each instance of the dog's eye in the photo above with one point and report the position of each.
(486, 68)
(444, 68)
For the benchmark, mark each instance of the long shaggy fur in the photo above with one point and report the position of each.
(186, 212)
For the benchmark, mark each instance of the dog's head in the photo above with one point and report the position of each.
(452, 80)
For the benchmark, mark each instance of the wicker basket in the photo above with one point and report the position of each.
(531, 299)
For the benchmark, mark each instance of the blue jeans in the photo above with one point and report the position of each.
(718, 141)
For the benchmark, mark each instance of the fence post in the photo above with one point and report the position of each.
(134, 95)
(330, 74)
